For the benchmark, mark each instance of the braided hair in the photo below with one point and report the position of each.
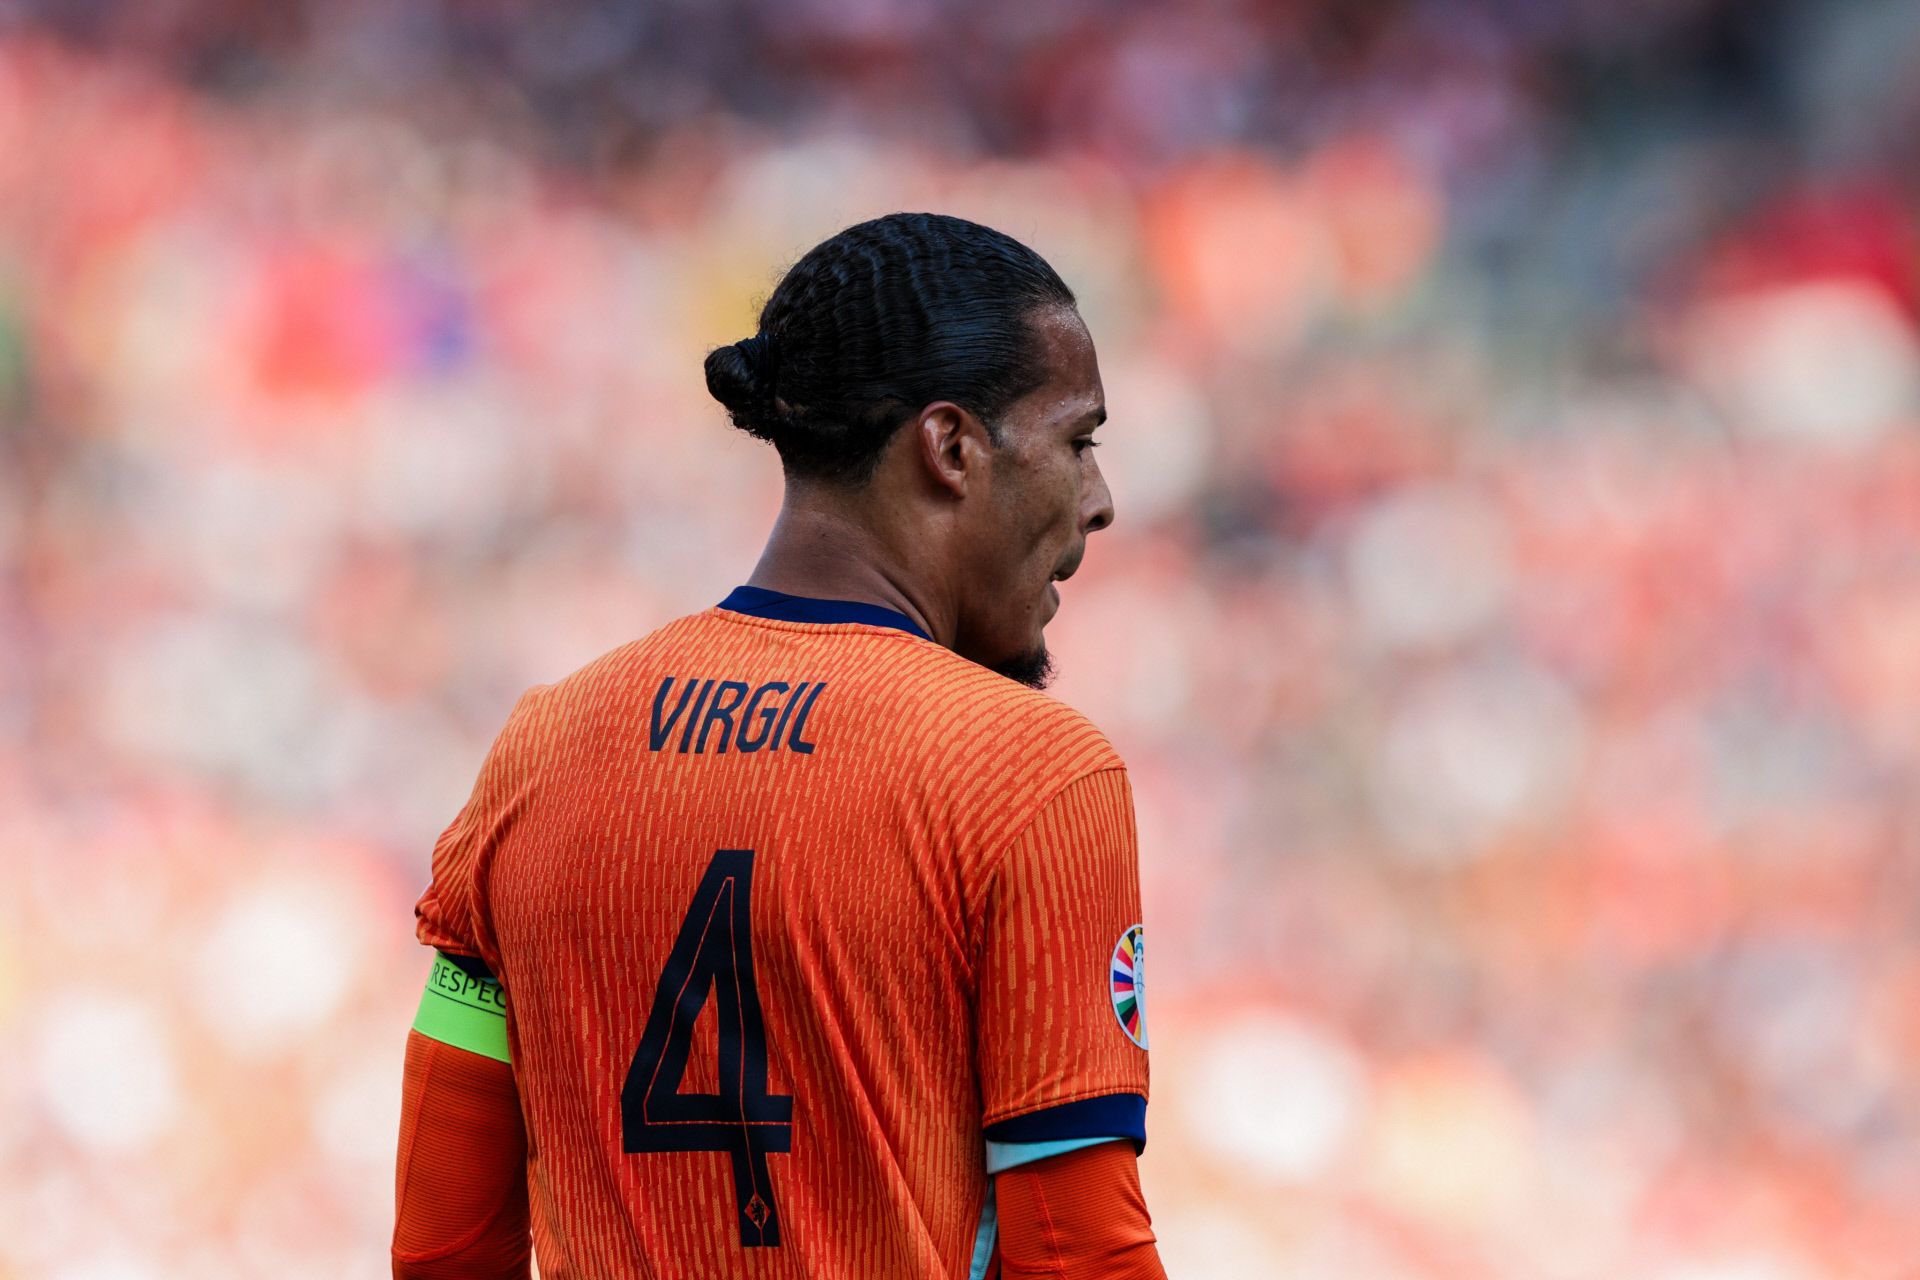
(876, 322)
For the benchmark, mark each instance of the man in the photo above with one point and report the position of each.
(802, 938)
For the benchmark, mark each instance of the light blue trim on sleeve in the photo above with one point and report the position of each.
(985, 1238)
(1002, 1156)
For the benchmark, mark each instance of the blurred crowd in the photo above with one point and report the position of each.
(1512, 621)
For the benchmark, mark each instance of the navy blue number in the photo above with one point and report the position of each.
(713, 956)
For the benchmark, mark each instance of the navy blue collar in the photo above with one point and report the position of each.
(759, 602)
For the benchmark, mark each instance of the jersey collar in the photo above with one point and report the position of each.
(758, 602)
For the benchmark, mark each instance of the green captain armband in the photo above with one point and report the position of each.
(464, 1011)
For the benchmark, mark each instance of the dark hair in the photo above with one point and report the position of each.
(873, 324)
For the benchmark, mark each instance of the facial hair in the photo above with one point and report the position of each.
(1033, 668)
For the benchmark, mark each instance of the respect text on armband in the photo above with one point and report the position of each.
(455, 983)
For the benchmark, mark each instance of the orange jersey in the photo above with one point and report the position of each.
(798, 917)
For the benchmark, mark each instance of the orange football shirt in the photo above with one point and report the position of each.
(797, 915)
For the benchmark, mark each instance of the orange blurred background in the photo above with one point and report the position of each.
(1512, 620)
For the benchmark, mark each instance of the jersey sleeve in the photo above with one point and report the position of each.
(1061, 1031)
(448, 915)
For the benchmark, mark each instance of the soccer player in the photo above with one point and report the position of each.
(801, 938)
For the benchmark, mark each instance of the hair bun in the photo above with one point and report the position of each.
(741, 377)
(761, 352)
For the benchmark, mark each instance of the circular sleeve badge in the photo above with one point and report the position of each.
(1127, 983)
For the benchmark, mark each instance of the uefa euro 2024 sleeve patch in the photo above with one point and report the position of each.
(1127, 983)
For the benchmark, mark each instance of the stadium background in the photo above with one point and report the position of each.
(1512, 621)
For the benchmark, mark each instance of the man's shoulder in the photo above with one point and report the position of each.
(1018, 742)
(999, 707)
(585, 694)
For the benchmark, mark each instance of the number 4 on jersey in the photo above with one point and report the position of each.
(713, 956)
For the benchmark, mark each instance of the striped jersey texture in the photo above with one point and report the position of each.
(792, 919)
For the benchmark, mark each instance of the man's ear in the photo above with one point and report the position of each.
(953, 446)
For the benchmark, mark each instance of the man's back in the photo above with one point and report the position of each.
(788, 914)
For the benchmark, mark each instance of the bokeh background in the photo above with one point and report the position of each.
(1512, 621)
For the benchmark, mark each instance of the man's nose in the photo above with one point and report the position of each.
(1100, 507)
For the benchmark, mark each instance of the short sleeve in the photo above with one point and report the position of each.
(449, 914)
(1061, 1032)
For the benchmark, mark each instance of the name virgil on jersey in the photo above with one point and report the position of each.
(768, 715)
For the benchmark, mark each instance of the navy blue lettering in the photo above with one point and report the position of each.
(751, 717)
(712, 960)
(798, 691)
(722, 710)
(747, 739)
(686, 734)
(800, 720)
(657, 732)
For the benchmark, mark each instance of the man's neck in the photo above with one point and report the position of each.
(815, 550)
